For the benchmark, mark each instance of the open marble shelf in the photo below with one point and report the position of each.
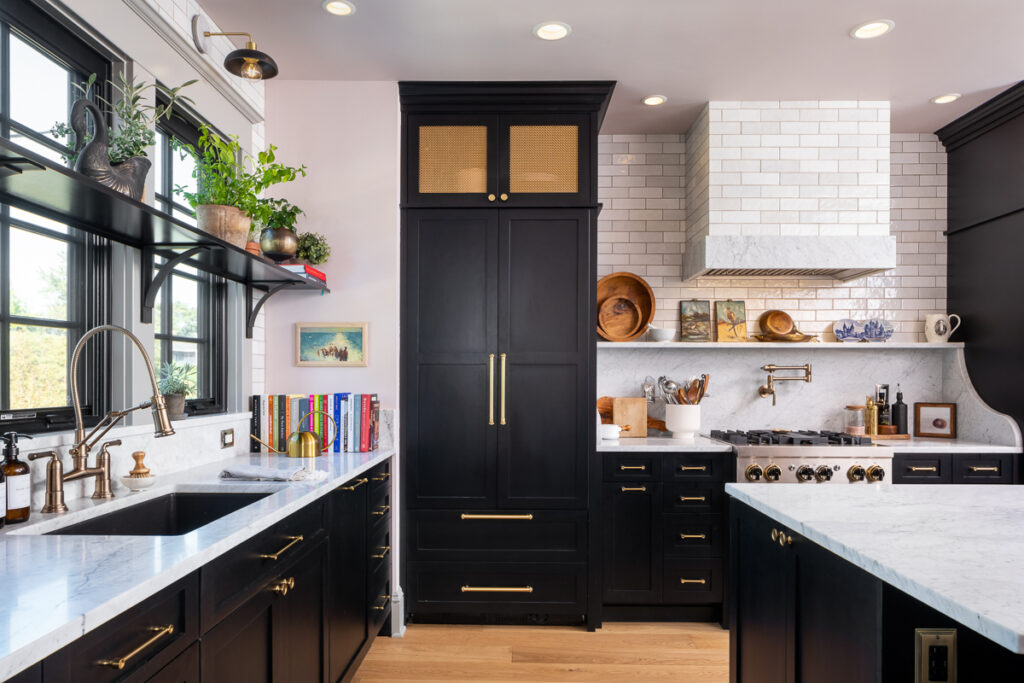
(804, 346)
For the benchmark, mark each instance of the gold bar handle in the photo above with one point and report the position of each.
(923, 469)
(490, 389)
(626, 468)
(685, 537)
(693, 468)
(628, 489)
(384, 476)
(984, 469)
(497, 589)
(692, 499)
(526, 518)
(384, 550)
(700, 581)
(121, 662)
(384, 605)
(504, 359)
(381, 510)
(292, 540)
(353, 487)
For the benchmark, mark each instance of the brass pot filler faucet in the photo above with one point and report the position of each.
(766, 390)
(55, 476)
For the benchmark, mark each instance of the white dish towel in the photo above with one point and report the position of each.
(257, 473)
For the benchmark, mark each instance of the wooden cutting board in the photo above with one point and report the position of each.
(631, 415)
(604, 407)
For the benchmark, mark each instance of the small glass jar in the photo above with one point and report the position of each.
(855, 421)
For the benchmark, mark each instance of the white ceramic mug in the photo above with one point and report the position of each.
(683, 421)
(939, 327)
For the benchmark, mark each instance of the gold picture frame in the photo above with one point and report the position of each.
(332, 345)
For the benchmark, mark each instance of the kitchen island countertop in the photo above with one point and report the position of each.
(663, 444)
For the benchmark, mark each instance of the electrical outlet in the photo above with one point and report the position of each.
(935, 655)
(227, 438)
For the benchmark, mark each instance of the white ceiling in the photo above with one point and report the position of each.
(690, 50)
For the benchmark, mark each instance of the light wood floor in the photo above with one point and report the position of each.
(526, 654)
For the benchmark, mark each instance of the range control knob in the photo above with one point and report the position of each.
(773, 472)
(855, 473)
(876, 473)
(823, 473)
(754, 472)
(804, 473)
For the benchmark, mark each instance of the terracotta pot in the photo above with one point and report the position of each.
(228, 223)
(253, 247)
(175, 406)
(279, 244)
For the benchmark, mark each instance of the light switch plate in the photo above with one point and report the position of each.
(227, 438)
(935, 655)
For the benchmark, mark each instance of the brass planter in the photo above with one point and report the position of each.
(279, 244)
(228, 223)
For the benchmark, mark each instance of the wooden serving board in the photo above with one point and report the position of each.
(631, 415)
(604, 407)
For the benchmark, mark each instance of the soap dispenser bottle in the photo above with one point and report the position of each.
(899, 413)
(19, 480)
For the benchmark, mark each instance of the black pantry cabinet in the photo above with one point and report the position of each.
(499, 248)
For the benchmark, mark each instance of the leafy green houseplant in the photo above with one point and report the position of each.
(313, 247)
(278, 217)
(177, 380)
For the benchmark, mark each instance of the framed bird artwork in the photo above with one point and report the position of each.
(731, 321)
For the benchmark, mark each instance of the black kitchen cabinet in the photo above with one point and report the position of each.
(925, 468)
(954, 468)
(970, 468)
(632, 543)
(183, 669)
(346, 587)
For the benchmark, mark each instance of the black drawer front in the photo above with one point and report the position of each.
(232, 578)
(537, 535)
(692, 582)
(983, 469)
(505, 588)
(379, 548)
(693, 535)
(695, 467)
(160, 628)
(380, 477)
(692, 497)
(380, 510)
(379, 596)
(922, 469)
(631, 467)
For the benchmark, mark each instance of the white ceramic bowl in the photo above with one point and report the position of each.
(683, 421)
(138, 483)
(610, 432)
(660, 334)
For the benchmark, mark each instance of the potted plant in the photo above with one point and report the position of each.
(313, 248)
(228, 182)
(278, 239)
(177, 380)
(117, 157)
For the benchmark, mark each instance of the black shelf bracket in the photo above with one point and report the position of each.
(254, 310)
(151, 282)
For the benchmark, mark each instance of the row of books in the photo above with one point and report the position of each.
(276, 416)
(306, 271)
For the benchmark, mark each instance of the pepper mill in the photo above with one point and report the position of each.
(871, 417)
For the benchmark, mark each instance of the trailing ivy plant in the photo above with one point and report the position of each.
(313, 247)
(134, 129)
(177, 378)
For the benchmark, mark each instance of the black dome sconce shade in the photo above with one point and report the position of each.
(247, 62)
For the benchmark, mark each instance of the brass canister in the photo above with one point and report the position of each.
(303, 444)
(871, 417)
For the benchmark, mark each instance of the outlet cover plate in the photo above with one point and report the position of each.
(227, 438)
(924, 640)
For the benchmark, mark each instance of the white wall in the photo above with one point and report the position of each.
(347, 134)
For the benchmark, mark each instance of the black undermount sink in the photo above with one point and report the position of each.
(170, 515)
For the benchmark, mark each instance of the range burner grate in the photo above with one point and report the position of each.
(782, 437)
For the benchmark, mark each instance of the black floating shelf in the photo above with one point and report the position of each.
(34, 183)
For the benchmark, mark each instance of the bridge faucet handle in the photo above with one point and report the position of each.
(112, 442)
(44, 454)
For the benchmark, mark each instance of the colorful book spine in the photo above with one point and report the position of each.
(303, 409)
(374, 422)
(271, 421)
(325, 424)
(356, 407)
(254, 423)
(311, 420)
(336, 414)
(364, 425)
(282, 422)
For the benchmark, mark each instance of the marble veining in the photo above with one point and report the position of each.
(60, 587)
(701, 444)
(957, 549)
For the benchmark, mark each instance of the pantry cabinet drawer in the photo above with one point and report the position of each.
(631, 466)
(983, 469)
(922, 469)
(695, 467)
(692, 497)
(693, 581)
(693, 535)
(537, 535)
(514, 588)
(380, 477)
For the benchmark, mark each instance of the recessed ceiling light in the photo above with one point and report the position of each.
(655, 100)
(873, 29)
(552, 30)
(946, 99)
(341, 8)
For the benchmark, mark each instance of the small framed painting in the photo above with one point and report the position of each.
(731, 321)
(331, 345)
(695, 320)
(935, 420)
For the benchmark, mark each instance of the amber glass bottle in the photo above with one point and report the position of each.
(19, 481)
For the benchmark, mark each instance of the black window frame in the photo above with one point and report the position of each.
(89, 256)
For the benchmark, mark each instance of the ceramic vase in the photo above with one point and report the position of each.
(683, 421)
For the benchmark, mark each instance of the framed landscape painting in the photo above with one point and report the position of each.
(695, 320)
(331, 345)
(731, 321)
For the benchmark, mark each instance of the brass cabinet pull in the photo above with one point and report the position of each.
(700, 581)
(626, 468)
(693, 468)
(357, 484)
(158, 633)
(292, 540)
(466, 515)
(984, 469)
(628, 489)
(283, 586)
(384, 476)
(497, 589)
(685, 537)
(381, 510)
(775, 535)
(785, 540)
(491, 197)
(504, 358)
(923, 469)
(386, 598)
(384, 550)
(692, 499)
(504, 197)
(490, 386)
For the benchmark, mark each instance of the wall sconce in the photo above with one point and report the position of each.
(247, 62)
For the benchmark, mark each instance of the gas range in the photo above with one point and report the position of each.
(816, 457)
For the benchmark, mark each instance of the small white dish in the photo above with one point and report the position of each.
(660, 334)
(138, 483)
(610, 432)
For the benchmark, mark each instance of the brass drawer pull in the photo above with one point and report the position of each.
(685, 537)
(700, 581)
(384, 605)
(381, 510)
(504, 359)
(497, 589)
(933, 468)
(359, 482)
(283, 586)
(525, 518)
(626, 468)
(640, 489)
(384, 476)
(984, 469)
(292, 540)
(384, 550)
(158, 633)
(693, 468)
(692, 499)
(490, 386)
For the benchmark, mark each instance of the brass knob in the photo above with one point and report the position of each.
(785, 540)
(775, 534)
(773, 472)
(823, 473)
(804, 473)
(856, 473)
(876, 473)
(754, 472)
(491, 197)
(283, 586)
(504, 197)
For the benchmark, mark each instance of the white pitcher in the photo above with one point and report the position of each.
(938, 327)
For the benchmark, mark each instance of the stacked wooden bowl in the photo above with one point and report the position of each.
(625, 306)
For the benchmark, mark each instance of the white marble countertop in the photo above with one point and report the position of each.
(925, 445)
(957, 549)
(663, 444)
(57, 588)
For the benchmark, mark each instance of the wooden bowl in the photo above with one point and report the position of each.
(632, 287)
(775, 323)
(619, 318)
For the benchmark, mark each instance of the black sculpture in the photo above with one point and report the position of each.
(93, 159)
